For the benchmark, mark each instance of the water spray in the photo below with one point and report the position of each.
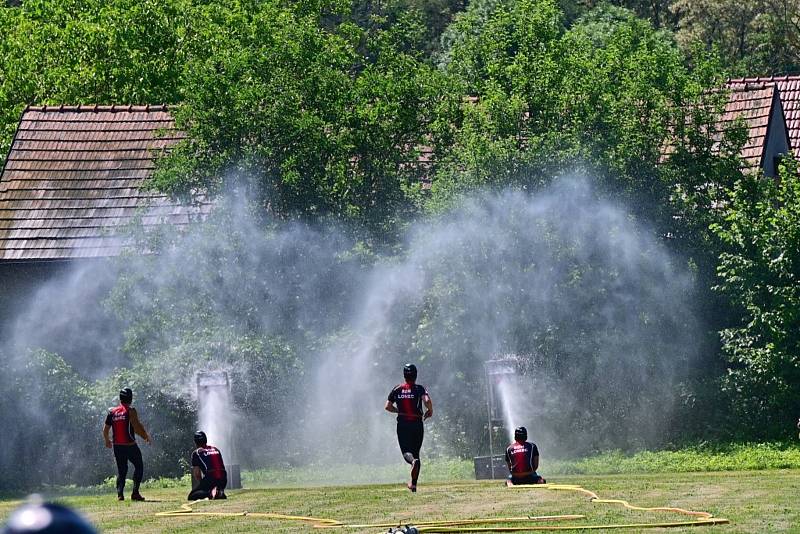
(215, 417)
(501, 391)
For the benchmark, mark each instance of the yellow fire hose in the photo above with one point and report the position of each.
(473, 525)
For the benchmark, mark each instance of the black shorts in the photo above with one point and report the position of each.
(410, 435)
(129, 453)
(533, 478)
(203, 489)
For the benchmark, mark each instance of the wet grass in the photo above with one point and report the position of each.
(755, 501)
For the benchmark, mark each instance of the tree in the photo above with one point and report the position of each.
(91, 52)
(759, 272)
(328, 120)
(434, 16)
(608, 95)
(754, 37)
(656, 11)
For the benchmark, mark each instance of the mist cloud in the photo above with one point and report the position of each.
(313, 330)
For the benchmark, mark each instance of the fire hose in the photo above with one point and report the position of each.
(478, 525)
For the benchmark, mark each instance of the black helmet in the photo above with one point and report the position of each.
(46, 519)
(520, 433)
(126, 395)
(410, 372)
(200, 438)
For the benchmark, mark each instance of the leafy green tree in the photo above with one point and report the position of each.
(434, 16)
(754, 37)
(759, 272)
(92, 52)
(328, 120)
(656, 11)
(609, 95)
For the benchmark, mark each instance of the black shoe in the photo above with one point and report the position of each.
(221, 495)
(120, 497)
(137, 496)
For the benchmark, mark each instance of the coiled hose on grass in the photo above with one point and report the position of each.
(518, 524)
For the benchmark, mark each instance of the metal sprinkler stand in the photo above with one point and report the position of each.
(216, 382)
(497, 370)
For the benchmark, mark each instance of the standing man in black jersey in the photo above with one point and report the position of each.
(406, 401)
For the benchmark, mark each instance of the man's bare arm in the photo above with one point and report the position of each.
(138, 427)
(106, 437)
(389, 407)
(197, 474)
(535, 462)
(428, 407)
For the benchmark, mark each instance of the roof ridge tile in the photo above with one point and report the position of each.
(98, 107)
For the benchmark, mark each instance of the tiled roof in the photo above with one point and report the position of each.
(752, 103)
(74, 178)
(789, 89)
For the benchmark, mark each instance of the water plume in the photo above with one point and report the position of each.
(590, 294)
(313, 329)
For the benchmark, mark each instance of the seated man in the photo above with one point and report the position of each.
(208, 470)
(522, 459)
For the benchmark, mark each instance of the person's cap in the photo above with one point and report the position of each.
(521, 433)
(200, 438)
(410, 371)
(47, 518)
(126, 395)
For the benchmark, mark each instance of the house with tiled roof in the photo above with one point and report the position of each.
(73, 182)
(74, 179)
(789, 93)
(758, 106)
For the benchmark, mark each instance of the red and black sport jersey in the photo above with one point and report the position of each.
(408, 398)
(209, 459)
(520, 456)
(119, 419)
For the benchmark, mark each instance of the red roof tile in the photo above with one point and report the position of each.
(752, 103)
(789, 89)
(74, 179)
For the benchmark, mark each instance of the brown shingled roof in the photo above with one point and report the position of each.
(74, 178)
(752, 103)
(789, 88)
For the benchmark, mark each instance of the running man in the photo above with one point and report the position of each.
(208, 470)
(522, 459)
(406, 401)
(123, 422)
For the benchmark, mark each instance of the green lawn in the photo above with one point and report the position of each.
(754, 501)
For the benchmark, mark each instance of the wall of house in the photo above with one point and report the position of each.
(777, 141)
(58, 306)
(19, 281)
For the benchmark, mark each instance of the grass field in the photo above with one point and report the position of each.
(754, 501)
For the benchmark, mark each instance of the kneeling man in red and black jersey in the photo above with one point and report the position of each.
(208, 470)
(522, 459)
